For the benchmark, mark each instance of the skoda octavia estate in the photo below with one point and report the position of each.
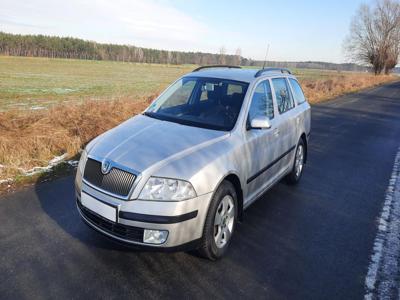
(179, 175)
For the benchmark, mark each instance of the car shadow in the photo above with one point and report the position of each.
(142, 272)
(59, 203)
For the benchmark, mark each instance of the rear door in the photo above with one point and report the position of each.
(302, 110)
(286, 123)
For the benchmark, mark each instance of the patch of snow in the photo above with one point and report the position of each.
(7, 180)
(63, 90)
(52, 163)
(36, 170)
(56, 160)
(73, 163)
(19, 104)
(382, 280)
(37, 107)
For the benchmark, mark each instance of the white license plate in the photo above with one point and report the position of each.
(107, 211)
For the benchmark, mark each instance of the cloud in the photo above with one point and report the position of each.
(144, 23)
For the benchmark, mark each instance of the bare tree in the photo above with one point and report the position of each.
(392, 58)
(238, 56)
(222, 53)
(169, 57)
(374, 37)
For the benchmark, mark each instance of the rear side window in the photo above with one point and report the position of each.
(284, 98)
(261, 103)
(298, 92)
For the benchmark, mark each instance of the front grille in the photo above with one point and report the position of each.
(117, 181)
(126, 232)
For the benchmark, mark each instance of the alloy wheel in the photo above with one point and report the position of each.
(223, 221)
(299, 160)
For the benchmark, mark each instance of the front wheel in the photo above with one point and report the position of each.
(220, 222)
(298, 165)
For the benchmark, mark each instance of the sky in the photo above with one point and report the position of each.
(295, 30)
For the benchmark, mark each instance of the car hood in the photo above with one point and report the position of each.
(142, 142)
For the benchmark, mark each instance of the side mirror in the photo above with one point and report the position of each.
(260, 123)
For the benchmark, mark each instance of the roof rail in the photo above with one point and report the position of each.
(281, 70)
(216, 66)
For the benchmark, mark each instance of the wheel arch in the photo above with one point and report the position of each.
(304, 138)
(235, 180)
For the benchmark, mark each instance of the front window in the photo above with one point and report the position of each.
(202, 102)
(261, 103)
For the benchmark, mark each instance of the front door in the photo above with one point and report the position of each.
(262, 145)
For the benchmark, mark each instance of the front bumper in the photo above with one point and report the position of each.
(184, 220)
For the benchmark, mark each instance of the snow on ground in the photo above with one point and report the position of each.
(37, 107)
(383, 277)
(7, 180)
(36, 170)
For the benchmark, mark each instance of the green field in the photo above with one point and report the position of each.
(36, 82)
(29, 82)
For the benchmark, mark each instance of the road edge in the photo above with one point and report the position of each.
(382, 280)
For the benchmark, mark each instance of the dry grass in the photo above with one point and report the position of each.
(319, 90)
(31, 138)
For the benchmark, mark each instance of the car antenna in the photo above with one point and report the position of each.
(266, 55)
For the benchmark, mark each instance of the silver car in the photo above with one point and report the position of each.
(179, 175)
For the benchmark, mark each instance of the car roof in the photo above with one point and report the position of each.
(244, 75)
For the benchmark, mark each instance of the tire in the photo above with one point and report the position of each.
(298, 164)
(216, 238)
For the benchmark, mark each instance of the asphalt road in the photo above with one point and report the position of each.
(312, 241)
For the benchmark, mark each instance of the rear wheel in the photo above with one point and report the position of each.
(220, 222)
(298, 165)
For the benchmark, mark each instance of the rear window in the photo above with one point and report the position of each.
(298, 92)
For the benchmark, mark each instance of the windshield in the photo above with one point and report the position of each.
(202, 102)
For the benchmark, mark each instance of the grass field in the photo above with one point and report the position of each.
(34, 82)
(85, 98)
(27, 82)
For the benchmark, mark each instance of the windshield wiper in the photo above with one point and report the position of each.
(184, 121)
(152, 115)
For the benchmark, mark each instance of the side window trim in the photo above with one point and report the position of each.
(274, 101)
(267, 82)
(291, 92)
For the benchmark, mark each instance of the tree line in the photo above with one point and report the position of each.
(312, 65)
(68, 47)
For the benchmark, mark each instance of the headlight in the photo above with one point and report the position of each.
(79, 173)
(166, 189)
(82, 161)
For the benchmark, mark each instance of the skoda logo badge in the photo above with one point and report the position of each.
(105, 167)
